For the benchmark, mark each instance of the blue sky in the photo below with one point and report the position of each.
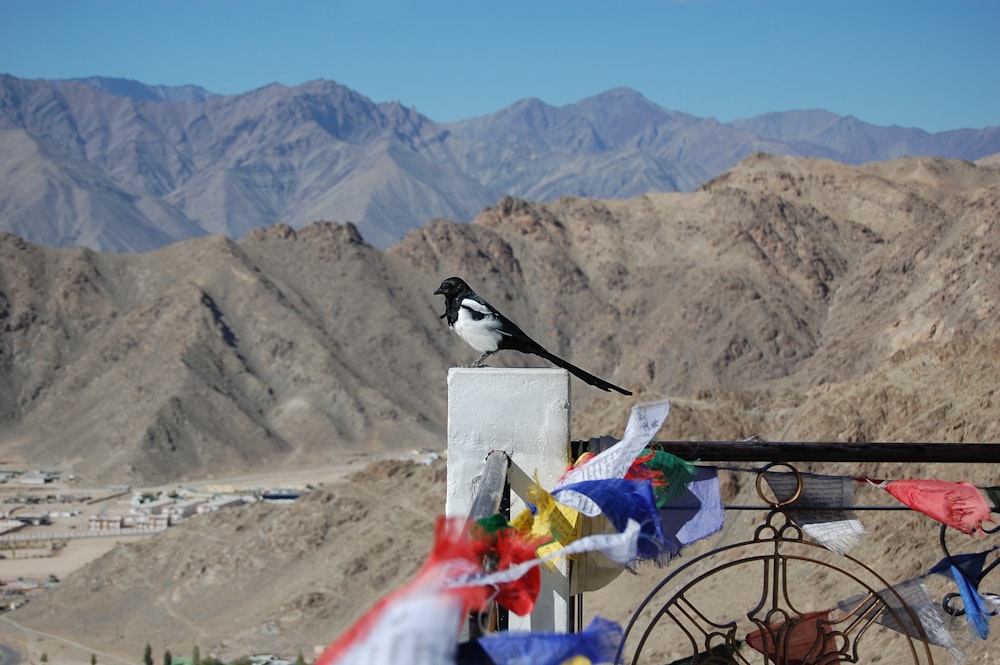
(932, 65)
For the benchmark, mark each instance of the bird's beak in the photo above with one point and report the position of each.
(438, 292)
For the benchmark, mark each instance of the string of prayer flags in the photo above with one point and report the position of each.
(548, 517)
(597, 643)
(644, 421)
(419, 622)
(564, 524)
(668, 474)
(621, 500)
(927, 618)
(419, 627)
(622, 548)
(818, 510)
(698, 512)
(959, 505)
(501, 548)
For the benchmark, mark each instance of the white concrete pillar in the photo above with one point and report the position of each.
(525, 412)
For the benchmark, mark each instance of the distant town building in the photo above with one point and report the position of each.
(106, 522)
(222, 502)
(33, 478)
(279, 495)
(181, 509)
(7, 526)
(34, 518)
(23, 584)
(155, 507)
(151, 522)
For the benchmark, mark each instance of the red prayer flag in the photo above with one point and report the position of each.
(505, 549)
(800, 640)
(959, 505)
(452, 556)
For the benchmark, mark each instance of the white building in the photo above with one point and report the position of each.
(33, 478)
(222, 502)
(106, 522)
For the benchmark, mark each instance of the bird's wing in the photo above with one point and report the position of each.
(479, 310)
(506, 327)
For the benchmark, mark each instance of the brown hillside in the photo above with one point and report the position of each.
(790, 298)
(211, 357)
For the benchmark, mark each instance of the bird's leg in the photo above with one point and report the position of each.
(479, 361)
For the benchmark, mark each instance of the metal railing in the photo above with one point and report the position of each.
(493, 488)
(758, 450)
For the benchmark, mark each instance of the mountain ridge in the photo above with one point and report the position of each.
(785, 274)
(181, 162)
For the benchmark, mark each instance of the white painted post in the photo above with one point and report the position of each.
(524, 412)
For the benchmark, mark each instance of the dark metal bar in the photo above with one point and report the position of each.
(832, 451)
(489, 493)
(792, 507)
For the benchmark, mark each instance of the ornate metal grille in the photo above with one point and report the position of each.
(788, 620)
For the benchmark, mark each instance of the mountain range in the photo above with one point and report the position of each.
(796, 299)
(824, 288)
(121, 166)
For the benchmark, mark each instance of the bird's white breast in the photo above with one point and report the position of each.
(483, 334)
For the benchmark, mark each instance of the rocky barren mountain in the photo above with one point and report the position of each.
(788, 278)
(797, 299)
(122, 166)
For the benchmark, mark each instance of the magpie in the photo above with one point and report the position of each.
(488, 331)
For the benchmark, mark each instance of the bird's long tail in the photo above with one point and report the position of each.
(583, 375)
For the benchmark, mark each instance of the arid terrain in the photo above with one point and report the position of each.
(790, 298)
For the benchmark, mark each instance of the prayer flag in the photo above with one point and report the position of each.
(550, 518)
(621, 500)
(977, 611)
(593, 570)
(597, 643)
(501, 549)
(419, 622)
(668, 474)
(818, 510)
(958, 505)
(645, 420)
(621, 548)
(971, 564)
(698, 512)
(800, 640)
(927, 619)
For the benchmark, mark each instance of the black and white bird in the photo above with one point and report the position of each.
(488, 331)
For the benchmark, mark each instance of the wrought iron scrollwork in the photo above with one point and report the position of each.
(787, 620)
